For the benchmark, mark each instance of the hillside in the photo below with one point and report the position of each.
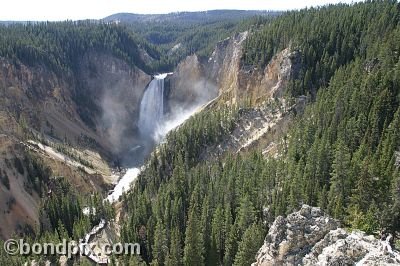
(71, 94)
(181, 34)
(283, 113)
(210, 16)
(338, 154)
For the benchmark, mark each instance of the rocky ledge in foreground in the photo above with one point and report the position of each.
(310, 237)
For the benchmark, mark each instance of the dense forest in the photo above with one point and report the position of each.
(339, 155)
(327, 39)
(178, 35)
(187, 208)
(59, 45)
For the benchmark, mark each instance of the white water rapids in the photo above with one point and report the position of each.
(123, 184)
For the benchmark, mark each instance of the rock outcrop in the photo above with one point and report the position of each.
(224, 65)
(261, 90)
(238, 83)
(98, 102)
(310, 237)
(272, 81)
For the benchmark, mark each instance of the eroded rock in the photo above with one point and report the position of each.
(310, 237)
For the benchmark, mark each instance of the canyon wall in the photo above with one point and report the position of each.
(93, 109)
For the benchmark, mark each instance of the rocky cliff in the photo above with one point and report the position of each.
(310, 237)
(224, 66)
(268, 112)
(189, 85)
(98, 103)
(238, 83)
(90, 113)
(114, 90)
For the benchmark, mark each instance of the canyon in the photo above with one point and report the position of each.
(205, 142)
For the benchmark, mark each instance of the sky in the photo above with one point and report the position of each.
(51, 10)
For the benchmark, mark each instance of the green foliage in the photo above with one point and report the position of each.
(210, 222)
(64, 149)
(339, 154)
(174, 257)
(327, 38)
(62, 208)
(61, 217)
(38, 173)
(59, 45)
(188, 33)
(252, 240)
(6, 259)
(194, 244)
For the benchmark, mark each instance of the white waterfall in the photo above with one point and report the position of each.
(151, 123)
(152, 107)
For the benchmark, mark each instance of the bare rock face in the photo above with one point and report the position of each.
(188, 86)
(291, 238)
(310, 237)
(224, 66)
(341, 248)
(238, 83)
(271, 82)
(115, 90)
(98, 102)
(93, 107)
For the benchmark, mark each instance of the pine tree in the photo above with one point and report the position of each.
(206, 232)
(340, 180)
(218, 234)
(174, 257)
(231, 245)
(160, 248)
(246, 214)
(194, 246)
(252, 240)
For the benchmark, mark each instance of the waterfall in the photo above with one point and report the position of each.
(152, 107)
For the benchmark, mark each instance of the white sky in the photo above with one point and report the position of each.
(95, 9)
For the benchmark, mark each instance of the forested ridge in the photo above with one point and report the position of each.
(194, 33)
(339, 155)
(59, 45)
(328, 38)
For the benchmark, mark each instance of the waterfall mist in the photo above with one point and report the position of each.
(154, 123)
(134, 120)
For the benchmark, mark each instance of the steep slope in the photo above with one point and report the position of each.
(241, 83)
(210, 179)
(189, 86)
(70, 99)
(115, 89)
(80, 113)
(262, 90)
(19, 208)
